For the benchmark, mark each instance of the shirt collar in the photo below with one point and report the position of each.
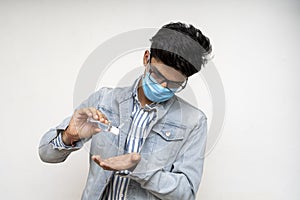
(148, 107)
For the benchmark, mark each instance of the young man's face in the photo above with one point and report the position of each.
(162, 71)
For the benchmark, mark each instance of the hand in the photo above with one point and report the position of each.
(123, 162)
(80, 128)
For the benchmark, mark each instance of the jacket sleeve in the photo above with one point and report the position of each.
(183, 180)
(51, 153)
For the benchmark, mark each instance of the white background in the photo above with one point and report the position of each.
(43, 45)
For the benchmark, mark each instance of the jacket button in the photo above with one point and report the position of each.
(168, 134)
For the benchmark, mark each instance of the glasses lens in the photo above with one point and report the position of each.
(156, 77)
(151, 77)
(176, 87)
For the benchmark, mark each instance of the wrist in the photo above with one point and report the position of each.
(67, 139)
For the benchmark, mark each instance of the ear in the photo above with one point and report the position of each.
(146, 57)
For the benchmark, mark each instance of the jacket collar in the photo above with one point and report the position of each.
(131, 92)
(125, 97)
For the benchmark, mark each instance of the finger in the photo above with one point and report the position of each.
(89, 112)
(135, 157)
(102, 117)
(97, 159)
(94, 112)
(86, 112)
(106, 166)
(104, 120)
(97, 130)
(95, 127)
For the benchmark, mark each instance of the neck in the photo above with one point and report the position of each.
(141, 96)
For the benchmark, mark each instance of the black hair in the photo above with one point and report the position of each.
(181, 46)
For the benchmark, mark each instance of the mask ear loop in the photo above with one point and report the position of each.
(148, 60)
(148, 63)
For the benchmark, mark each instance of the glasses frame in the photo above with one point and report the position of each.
(153, 69)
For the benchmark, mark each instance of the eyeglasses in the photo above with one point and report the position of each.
(156, 77)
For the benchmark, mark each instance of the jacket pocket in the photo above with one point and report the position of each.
(163, 144)
(169, 131)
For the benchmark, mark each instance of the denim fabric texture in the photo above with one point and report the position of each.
(172, 154)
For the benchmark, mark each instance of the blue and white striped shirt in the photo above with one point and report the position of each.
(141, 117)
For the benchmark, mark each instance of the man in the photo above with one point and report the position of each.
(159, 151)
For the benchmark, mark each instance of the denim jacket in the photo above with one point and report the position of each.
(172, 155)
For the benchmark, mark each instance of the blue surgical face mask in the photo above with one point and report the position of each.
(154, 91)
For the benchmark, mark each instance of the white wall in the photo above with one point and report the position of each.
(43, 45)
